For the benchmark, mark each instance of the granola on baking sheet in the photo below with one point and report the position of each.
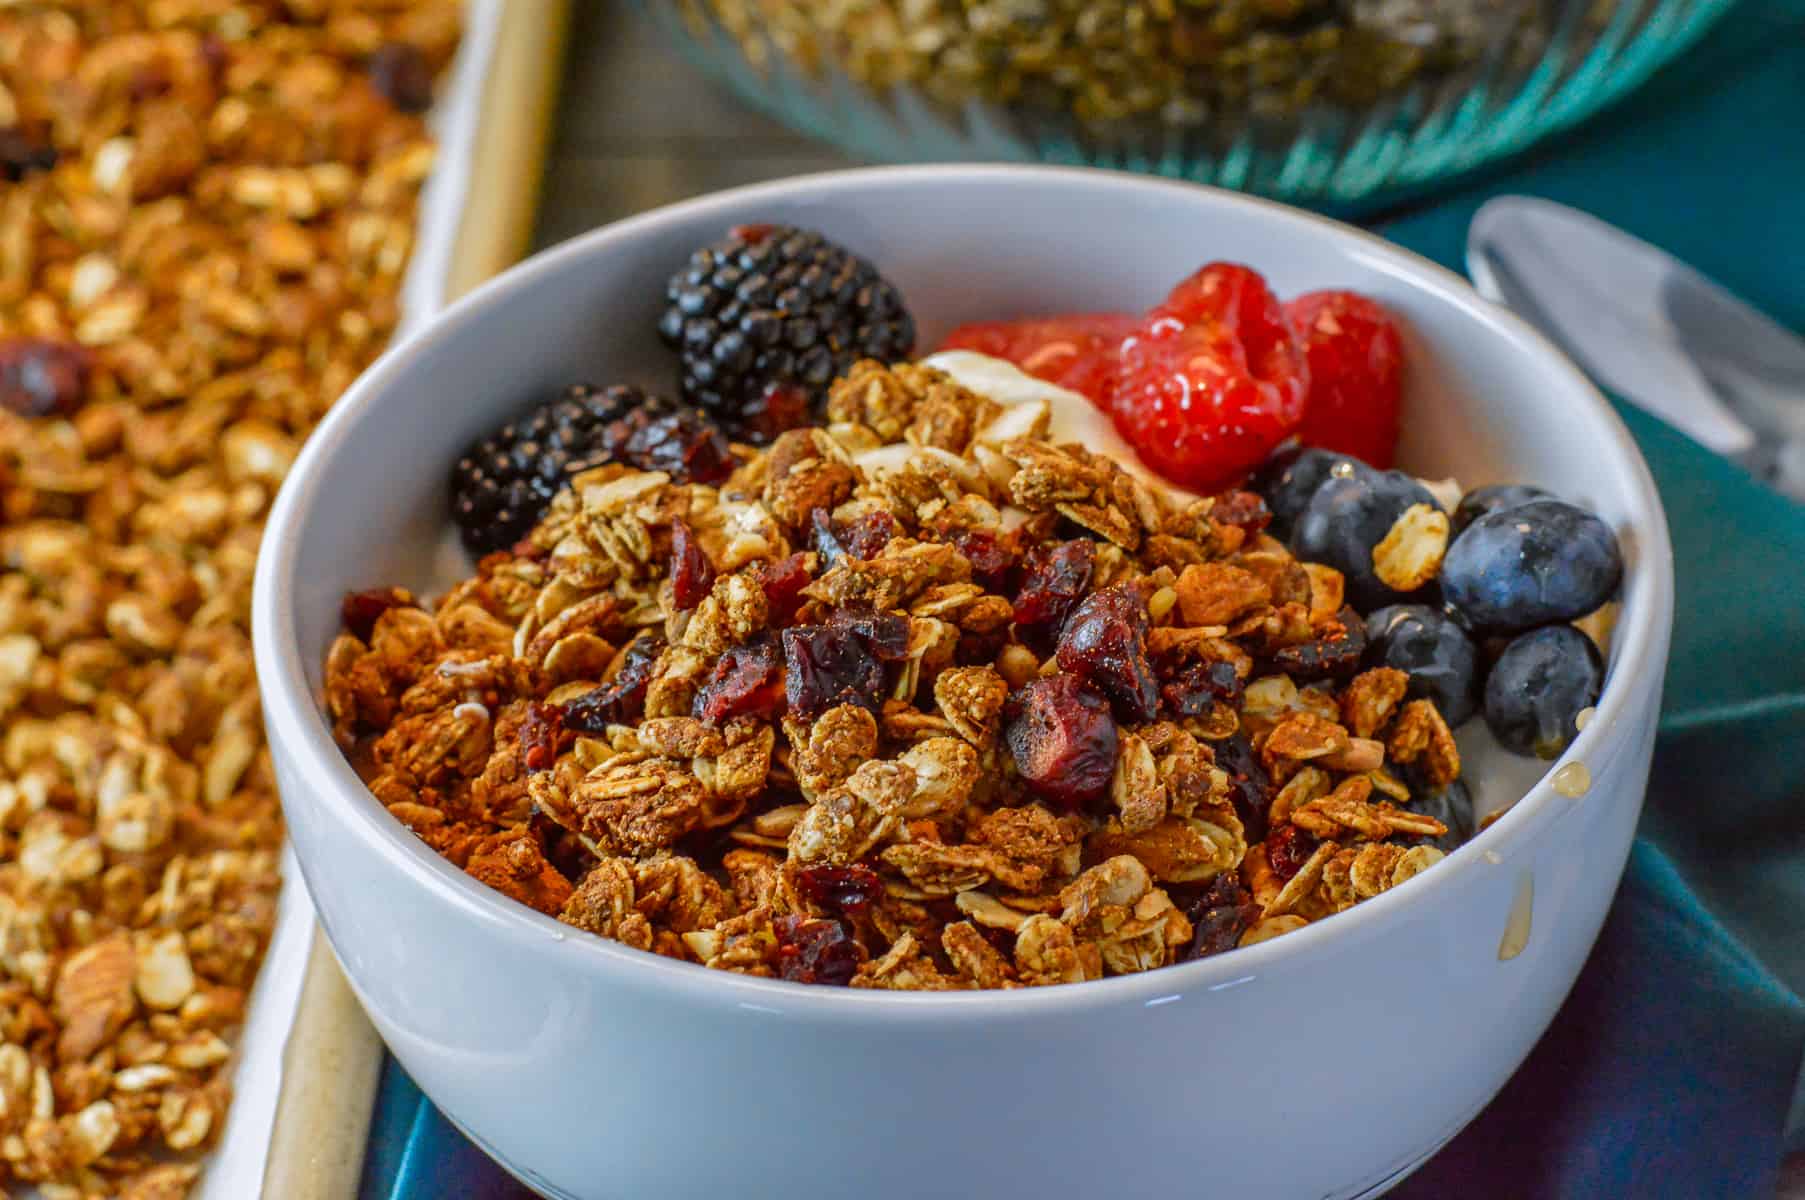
(205, 213)
(915, 700)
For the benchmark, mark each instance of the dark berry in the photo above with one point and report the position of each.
(20, 155)
(1334, 654)
(828, 665)
(773, 411)
(40, 377)
(863, 537)
(1538, 687)
(1349, 515)
(1491, 498)
(1063, 740)
(1452, 806)
(540, 733)
(1219, 915)
(1055, 577)
(783, 580)
(622, 699)
(504, 483)
(1432, 648)
(884, 634)
(816, 951)
(692, 574)
(360, 610)
(1191, 687)
(1288, 848)
(1249, 785)
(843, 891)
(1537, 563)
(991, 558)
(400, 74)
(1104, 643)
(772, 314)
(747, 681)
(1290, 478)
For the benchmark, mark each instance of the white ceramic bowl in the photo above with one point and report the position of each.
(1327, 1063)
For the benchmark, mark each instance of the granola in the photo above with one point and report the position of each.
(917, 810)
(206, 214)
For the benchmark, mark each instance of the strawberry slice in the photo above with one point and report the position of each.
(1211, 380)
(1356, 362)
(1076, 352)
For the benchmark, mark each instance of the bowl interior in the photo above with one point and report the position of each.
(1487, 400)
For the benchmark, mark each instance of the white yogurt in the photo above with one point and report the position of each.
(1073, 418)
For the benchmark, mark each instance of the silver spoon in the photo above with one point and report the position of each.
(1650, 328)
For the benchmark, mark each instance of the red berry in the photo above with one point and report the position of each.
(692, 574)
(1356, 374)
(1075, 352)
(1211, 380)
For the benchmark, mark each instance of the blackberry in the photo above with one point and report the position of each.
(505, 482)
(771, 314)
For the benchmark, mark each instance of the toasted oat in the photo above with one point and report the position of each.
(1410, 553)
(220, 242)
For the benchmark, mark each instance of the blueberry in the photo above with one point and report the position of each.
(1430, 647)
(1493, 497)
(1346, 518)
(1452, 806)
(1538, 686)
(1288, 480)
(1538, 563)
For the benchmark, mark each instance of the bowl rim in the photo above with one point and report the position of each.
(293, 715)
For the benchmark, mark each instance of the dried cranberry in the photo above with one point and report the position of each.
(666, 436)
(360, 610)
(1063, 739)
(1104, 643)
(990, 559)
(842, 890)
(863, 537)
(1244, 510)
(39, 377)
(399, 72)
(1288, 848)
(1249, 786)
(773, 411)
(748, 680)
(540, 732)
(829, 665)
(886, 635)
(1054, 578)
(692, 574)
(621, 700)
(1334, 655)
(811, 951)
(215, 53)
(20, 155)
(783, 581)
(866, 535)
(1219, 915)
(1190, 686)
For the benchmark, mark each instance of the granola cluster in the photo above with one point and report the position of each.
(205, 214)
(916, 699)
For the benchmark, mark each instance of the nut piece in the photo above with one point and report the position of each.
(1410, 553)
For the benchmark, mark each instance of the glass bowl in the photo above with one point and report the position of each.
(1335, 104)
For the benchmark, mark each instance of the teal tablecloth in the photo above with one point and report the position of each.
(1671, 1071)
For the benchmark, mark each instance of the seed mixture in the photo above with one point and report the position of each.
(914, 699)
(1167, 63)
(206, 210)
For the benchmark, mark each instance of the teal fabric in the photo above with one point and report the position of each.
(1669, 1072)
